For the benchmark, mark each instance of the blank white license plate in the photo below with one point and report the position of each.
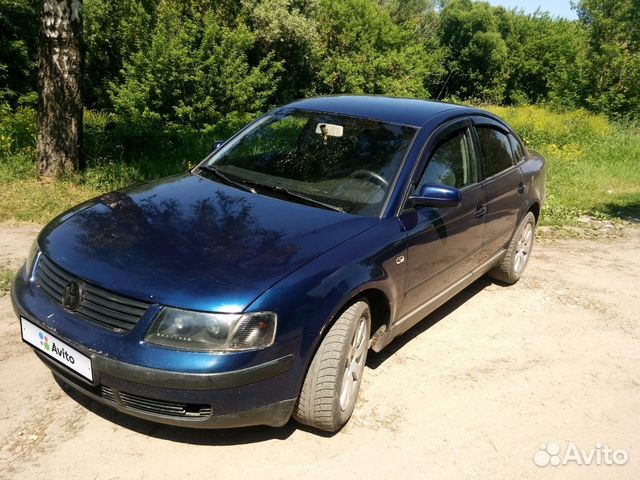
(55, 348)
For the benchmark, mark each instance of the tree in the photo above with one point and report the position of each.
(365, 52)
(614, 50)
(197, 72)
(547, 58)
(59, 148)
(472, 33)
(113, 31)
(286, 29)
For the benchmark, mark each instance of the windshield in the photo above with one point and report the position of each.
(340, 162)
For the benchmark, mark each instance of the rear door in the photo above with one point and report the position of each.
(442, 242)
(503, 182)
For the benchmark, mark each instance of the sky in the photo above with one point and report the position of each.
(557, 8)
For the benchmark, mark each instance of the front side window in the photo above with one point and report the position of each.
(496, 150)
(345, 162)
(452, 163)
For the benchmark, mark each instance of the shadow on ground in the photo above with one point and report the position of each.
(374, 360)
(629, 211)
(248, 435)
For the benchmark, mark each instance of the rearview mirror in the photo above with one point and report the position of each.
(216, 145)
(435, 195)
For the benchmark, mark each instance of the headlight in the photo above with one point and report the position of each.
(213, 331)
(31, 260)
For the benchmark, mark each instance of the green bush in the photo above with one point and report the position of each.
(17, 142)
(196, 72)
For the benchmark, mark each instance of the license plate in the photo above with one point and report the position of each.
(55, 348)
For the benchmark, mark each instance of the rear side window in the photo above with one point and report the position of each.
(452, 163)
(496, 150)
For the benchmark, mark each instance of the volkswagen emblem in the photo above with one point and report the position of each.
(72, 295)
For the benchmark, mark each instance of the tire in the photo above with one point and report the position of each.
(326, 401)
(510, 269)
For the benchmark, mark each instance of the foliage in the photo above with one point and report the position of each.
(614, 41)
(117, 156)
(17, 142)
(366, 52)
(114, 30)
(592, 161)
(206, 63)
(287, 31)
(196, 72)
(17, 48)
(476, 51)
(546, 61)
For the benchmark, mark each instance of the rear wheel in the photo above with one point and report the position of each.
(515, 260)
(331, 387)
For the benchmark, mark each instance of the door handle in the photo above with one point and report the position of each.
(481, 210)
(521, 188)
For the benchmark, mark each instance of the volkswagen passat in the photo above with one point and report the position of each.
(250, 289)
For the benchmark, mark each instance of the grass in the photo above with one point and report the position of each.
(593, 162)
(6, 277)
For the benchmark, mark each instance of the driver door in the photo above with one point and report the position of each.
(442, 242)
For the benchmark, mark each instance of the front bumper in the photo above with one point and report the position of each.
(262, 393)
(169, 412)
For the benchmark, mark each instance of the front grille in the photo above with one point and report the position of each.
(163, 407)
(99, 306)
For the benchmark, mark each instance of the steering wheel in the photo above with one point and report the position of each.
(372, 176)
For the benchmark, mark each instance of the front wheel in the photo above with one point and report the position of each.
(515, 260)
(331, 387)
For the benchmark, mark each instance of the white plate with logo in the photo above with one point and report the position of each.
(55, 348)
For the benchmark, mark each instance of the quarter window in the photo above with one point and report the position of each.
(453, 163)
(496, 150)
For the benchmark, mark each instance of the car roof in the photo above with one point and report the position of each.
(405, 111)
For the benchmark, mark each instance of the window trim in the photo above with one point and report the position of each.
(522, 158)
(468, 157)
(491, 123)
(427, 151)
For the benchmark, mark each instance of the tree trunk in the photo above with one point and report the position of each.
(60, 81)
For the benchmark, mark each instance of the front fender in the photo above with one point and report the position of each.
(309, 299)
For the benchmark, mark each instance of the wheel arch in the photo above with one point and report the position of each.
(379, 304)
(535, 209)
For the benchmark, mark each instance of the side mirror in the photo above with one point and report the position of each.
(216, 145)
(435, 195)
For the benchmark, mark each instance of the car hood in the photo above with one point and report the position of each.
(187, 241)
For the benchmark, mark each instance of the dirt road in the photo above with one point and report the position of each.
(472, 392)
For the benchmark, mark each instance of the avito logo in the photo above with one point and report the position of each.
(59, 351)
(44, 341)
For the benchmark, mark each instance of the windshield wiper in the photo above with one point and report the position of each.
(225, 179)
(296, 196)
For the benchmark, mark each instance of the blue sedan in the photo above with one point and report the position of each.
(250, 289)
